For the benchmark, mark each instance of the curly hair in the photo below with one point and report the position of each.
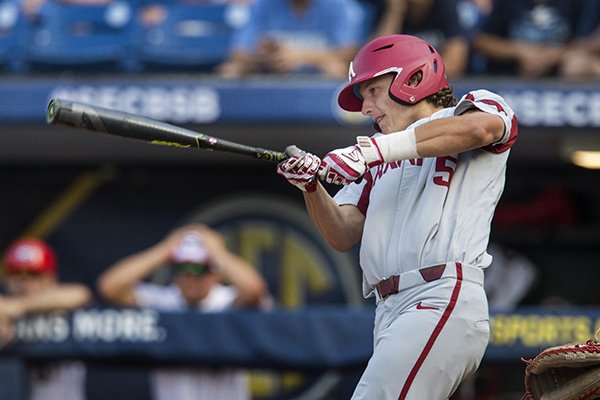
(444, 98)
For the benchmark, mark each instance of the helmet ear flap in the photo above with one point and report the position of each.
(405, 91)
(431, 78)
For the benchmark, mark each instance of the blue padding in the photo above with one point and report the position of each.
(316, 338)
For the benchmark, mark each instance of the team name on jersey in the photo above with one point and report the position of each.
(444, 169)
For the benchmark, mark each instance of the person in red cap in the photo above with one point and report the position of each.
(419, 195)
(31, 283)
(207, 277)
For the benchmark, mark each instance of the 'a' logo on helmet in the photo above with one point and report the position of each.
(351, 73)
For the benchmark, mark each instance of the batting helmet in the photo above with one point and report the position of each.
(403, 55)
(30, 255)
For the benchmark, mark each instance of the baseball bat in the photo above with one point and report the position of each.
(122, 124)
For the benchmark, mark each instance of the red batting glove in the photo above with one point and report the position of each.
(301, 171)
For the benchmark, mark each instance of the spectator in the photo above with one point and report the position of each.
(583, 59)
(531, 38)
(201, 264)
(32, 286)
(31, 8)
(152, 13)
(296, 36)
(472, 14)
(435, 21)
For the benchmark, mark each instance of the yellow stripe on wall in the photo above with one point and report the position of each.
(59, 210)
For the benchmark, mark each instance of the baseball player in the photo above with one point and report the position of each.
(419, 196)
(200, 264)
(30, 266)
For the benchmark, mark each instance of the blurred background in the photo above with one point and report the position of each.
(239, 71)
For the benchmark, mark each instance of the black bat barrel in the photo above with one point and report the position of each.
(122, 124)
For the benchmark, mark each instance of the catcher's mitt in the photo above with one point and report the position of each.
(567, 372)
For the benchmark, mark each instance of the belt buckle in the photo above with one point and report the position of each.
(388, 286)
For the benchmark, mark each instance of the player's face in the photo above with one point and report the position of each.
(194, 288)
(390, 115)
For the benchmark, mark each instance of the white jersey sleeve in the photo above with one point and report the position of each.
(355, 193)
(491, 103)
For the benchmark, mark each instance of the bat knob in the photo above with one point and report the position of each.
(53, 107)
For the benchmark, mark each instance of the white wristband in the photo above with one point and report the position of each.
(397, 146)
(369, 150)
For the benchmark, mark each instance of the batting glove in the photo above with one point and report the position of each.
(370, 151)
(343, 166)
(301, 171)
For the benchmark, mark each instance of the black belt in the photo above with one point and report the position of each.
(390, 286)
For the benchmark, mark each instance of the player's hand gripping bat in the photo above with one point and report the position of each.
(118, 123)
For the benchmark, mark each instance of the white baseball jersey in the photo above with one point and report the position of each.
(193, 383)
(59, 380)
(433, 210)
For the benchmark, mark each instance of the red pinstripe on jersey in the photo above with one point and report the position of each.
(436, 332)
(363, 202)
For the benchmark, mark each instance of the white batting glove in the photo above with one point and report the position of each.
(346, 165)
(301, 171)
(343, 166)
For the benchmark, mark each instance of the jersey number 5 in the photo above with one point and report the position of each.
(444, 169)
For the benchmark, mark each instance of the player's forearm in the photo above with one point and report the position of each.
(340, 226)
(438, 138)
(62, 297)
(392, 18)
(118, 282)
(238, 272)
(445, 136)
(594, 41)
(442, 139)
(496, 47)
(321, 59)
(456, 56)
(239, 64)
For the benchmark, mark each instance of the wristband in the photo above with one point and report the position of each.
(369, 150)
(395, 146)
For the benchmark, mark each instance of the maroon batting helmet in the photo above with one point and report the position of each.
(404, 55)
(30, 255)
